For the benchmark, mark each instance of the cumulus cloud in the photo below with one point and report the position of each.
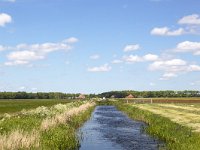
(94, 57)
(24, 56)
(103, 68)
(165, 31)
(191, 26)
(24, 53)
(4, 19)
(132, 58)
(193, 19)
(172, 67)
(136, 58)
(188, 46)
(167, 76)
(150, 57)
(132, 47)
(71, 40)
(16, 63)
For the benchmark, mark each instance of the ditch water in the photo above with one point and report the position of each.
(110, 129)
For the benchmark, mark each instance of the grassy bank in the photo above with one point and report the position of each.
(45, 127)
(176, 136)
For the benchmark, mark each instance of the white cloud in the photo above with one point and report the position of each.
(132, 58)
(187, 46)
(136, 58)
(193, 19)
(165, 31)
(23, 54)
(16, 63)
(132, 47)
(4, 19)
(193, 68)
(173, 67)
(116, 61)
(150, 57)
(94, 57)
(103, 68)
(167, 76)
(71, 40)
(43, 48)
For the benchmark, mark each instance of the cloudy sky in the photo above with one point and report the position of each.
(93, 46)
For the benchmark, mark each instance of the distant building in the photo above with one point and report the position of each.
(130, 96)
(81, 96)
(113, 96)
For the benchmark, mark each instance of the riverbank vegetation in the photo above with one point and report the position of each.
(44, 127)
(177, 125)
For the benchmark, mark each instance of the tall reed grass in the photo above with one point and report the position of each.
(45, 127)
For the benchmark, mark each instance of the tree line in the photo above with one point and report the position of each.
(151, 94)
(114, 94)
(39, 95)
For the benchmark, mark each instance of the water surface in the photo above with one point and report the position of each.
(110, 129)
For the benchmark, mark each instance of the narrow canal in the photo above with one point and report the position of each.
(110, 129)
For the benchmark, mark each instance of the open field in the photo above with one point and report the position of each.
(175, 124)
(44, 127)
(15, 105)
(163, 100)
(187, 115)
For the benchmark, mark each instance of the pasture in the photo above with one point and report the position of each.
(163, 100)
(177, 124)
(15, 105)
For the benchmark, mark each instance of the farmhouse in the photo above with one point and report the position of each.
(130, 96)
(81, 96)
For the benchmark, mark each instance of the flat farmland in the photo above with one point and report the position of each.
(184, 114)
(15, 105)
(177, 124)
(164, 100)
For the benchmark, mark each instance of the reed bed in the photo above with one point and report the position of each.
(44, 127)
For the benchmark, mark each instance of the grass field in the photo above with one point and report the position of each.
(175, 124)
(183, 114)
(44, 127)
(163, 100)
(12, 106)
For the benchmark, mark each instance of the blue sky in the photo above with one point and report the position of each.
(93, 46)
